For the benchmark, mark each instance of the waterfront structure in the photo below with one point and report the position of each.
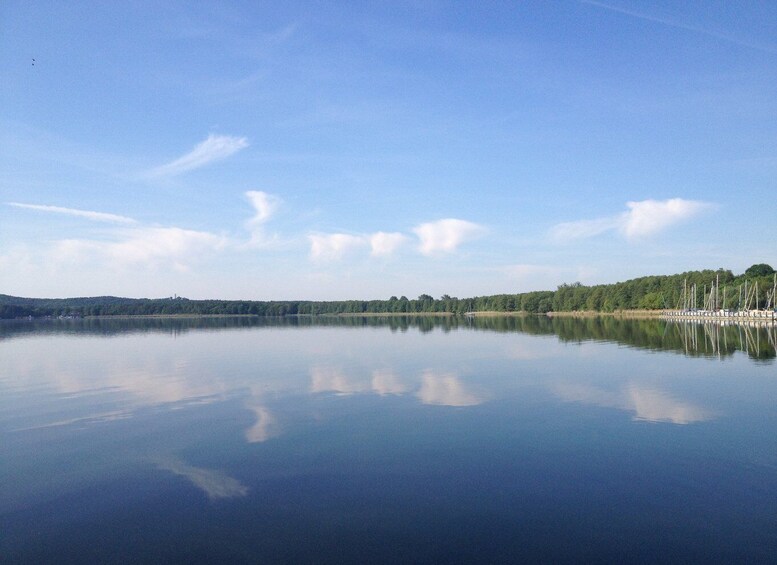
(715, 308)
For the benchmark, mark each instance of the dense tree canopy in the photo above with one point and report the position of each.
(651, 293)
(759, 270)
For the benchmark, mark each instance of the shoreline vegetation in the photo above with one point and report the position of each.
(641, 297)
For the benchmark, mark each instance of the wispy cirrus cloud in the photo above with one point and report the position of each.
(88, 214)
(265, 206)
(214, 148)
(680, 25)
(582, 229)
(642, 219)
(445, 236)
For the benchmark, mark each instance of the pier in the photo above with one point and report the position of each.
(738, 316)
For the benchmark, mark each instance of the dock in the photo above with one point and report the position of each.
(749, 307)
(736, 316)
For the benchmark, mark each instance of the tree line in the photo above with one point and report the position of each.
(644, 293)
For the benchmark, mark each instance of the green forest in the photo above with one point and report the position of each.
(644, 293)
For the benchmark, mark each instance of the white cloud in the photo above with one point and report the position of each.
(88, 214)
(643, 218)
(214, 148)
(651, 216)
(333, 246)
(445, 235)
(265, 205)
(142, 246)
(442, 236)
(384, 244)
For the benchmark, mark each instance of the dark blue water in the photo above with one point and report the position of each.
(364, 441)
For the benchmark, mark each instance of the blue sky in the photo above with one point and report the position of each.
(361, 150)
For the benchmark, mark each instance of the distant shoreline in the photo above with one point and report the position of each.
(482, 314)
(643, 297)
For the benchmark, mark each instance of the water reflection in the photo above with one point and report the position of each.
(694, 339)
(265, 427)
(647, 404)
(385, 381)
(532, 349)
(332, 379)
(298, 426)
(134, 376)
(81, 421)
(442, 389)
(722, 339)
(445, 390)
(690, 338)
(134, 372)
(214, 483)
(657, 406)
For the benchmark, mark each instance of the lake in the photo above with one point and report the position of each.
(366, 440)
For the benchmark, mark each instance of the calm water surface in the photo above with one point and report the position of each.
(394, 440)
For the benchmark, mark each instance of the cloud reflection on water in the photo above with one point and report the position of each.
(82, 421)
(387, 382)
(146, 380)
(214, 483)
(647, 404)
(266, 425)
(332, 379)
(441, 389)
(656, 406)
(445, 390)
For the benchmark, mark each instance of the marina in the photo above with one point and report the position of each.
(746, 305)
(734, 316)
